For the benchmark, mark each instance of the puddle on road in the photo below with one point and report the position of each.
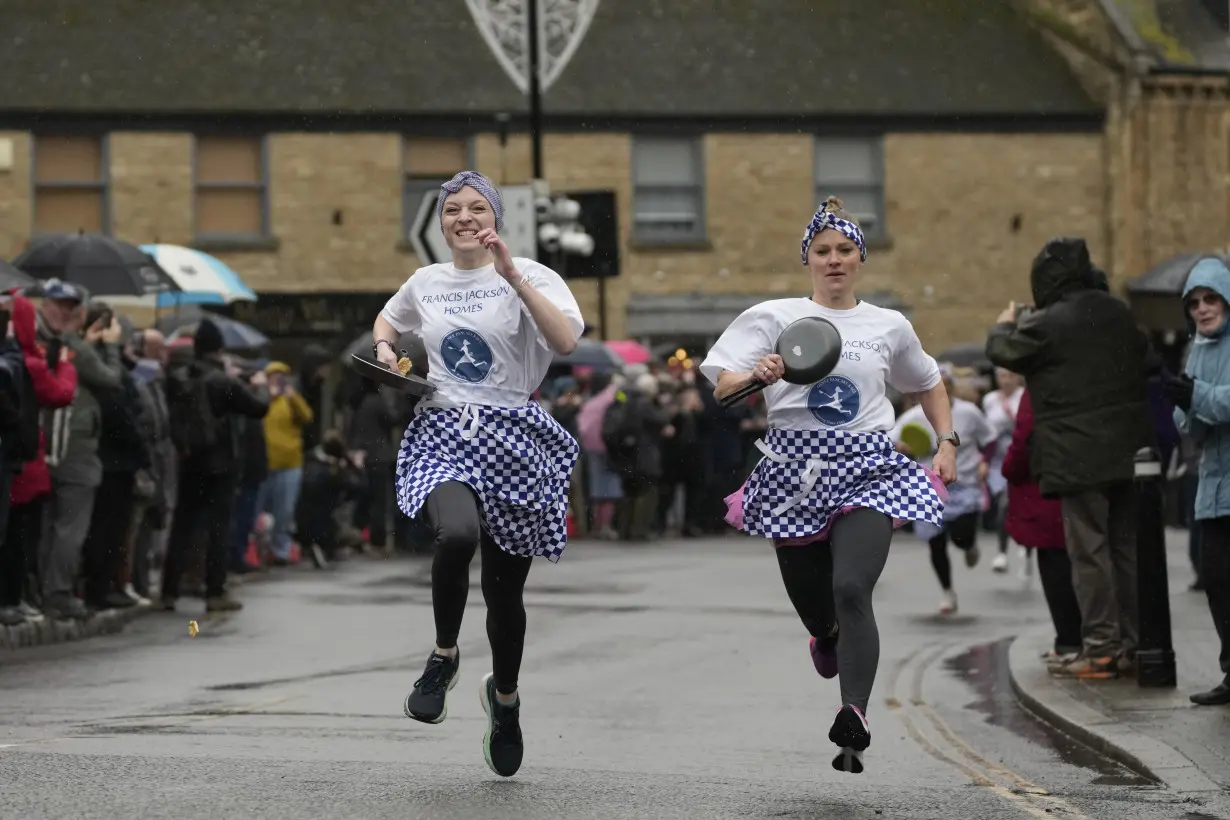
(985, 669)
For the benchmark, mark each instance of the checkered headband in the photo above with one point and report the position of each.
(479, 183)
(824, 218)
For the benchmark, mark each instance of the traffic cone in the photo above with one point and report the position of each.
(253, 556)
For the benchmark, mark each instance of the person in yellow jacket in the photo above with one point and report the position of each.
(288, 414)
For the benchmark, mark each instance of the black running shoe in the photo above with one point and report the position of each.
(851, 733)
(502, 745)
(428, 700)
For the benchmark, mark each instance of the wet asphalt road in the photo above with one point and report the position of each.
(661, 681)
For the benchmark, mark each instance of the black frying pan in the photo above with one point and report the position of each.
(375, 371)
(810, 348)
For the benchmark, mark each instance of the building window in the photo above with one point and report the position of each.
(668, 190)
(232, 187)
(427, 163)
(70, 185)
(852, 169)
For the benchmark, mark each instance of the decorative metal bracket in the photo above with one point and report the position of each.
(562, 25)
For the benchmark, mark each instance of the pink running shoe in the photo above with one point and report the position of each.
(824, 656)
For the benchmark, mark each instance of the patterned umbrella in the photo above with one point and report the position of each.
(203, 279)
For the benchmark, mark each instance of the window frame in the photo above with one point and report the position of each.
(699, 188)
(102, 185)
(261, 185)
(820, 191)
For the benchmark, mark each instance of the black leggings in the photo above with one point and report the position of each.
(963, 531)
(830, 583)
(455, 518)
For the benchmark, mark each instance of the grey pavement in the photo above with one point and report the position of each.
(666, 680)
(1156, 731)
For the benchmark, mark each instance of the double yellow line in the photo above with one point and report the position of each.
(933, 734)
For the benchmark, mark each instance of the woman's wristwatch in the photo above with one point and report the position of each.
(952, 436)
(376, 347)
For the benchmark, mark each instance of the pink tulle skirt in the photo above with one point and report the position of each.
(734, 514)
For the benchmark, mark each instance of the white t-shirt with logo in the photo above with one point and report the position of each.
(483, 346)
(879, 347)
(969, 423)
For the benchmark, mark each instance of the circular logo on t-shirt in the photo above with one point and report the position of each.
(833, 401)
(466, 355)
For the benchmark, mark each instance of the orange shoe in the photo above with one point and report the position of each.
(1084, 667)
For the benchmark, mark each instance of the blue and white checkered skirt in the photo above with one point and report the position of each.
(809, 477)
(518, 460)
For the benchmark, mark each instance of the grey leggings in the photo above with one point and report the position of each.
(830, 583)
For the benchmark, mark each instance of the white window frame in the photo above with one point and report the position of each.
(842, 186)
(643, 231)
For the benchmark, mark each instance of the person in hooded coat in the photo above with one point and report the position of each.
(1085, 361)
(51, 383)
(1202, 400)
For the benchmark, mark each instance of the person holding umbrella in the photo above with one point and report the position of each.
(489, 468)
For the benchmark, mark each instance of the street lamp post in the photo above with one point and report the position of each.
(534, 72)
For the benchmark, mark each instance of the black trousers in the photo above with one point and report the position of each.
(104, 553)
(1055, 572)
(1215, 573)
(372, 510)
(455, 517)
(964, 535)
(204, 504)
(19, 553)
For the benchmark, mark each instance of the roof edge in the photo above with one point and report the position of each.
(1123, 26)
(463, 124)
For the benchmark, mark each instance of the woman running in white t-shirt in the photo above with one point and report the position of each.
(830, 486)
(966, 497)
(489, 468)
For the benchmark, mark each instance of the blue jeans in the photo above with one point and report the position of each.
(279, 495)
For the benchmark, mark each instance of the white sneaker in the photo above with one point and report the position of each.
(132, 593)
(1000, 564)
(948, 603)
(32, 614)
(971, 556)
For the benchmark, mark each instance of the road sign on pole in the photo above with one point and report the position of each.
(520, 226)
(425, 233)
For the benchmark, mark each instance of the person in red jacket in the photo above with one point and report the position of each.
(1036, 522)
(52, 381)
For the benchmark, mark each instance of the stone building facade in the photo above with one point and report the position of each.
(962, 169)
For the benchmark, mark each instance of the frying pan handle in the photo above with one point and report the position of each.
(751, 388)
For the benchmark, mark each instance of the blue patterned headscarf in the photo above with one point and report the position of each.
(479, 183)
(824, 218)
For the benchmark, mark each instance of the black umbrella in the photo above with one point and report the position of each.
(11, 277)
(236, 335)
(590, 353)
(1168, 278)
(102, 265)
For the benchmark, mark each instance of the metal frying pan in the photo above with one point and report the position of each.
(810, 348)
(375, 371)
